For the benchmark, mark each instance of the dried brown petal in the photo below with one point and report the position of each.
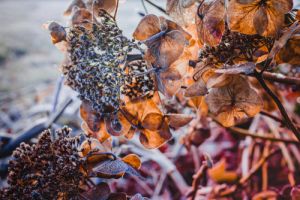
(57, 32)
(179, 120)
(154, 139)
(97, 5)
(219, 173)
(234, 102)
(258, 16)
(132, 160)
(211, 23)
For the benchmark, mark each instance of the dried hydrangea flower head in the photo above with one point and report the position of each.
(96, 69)
(236, 47)
(49, 169)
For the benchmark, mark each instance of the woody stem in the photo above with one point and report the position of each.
(283, 112)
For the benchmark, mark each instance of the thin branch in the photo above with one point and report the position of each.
(156, 6)
(197, 179)
(117, 7)
(275, 118)
(144, 6)
(280, 78)
(244, 132)
(287, 119)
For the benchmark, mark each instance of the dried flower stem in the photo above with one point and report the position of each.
(284, 114)
(280, 78)
(196, 180)
(265, 168)
(244, 132)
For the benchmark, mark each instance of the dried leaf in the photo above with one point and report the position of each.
(178, 120)
(164, 38)
(211, 23)
(149, 121)
(96, 5)
(219, 173)
(290, 53)
(181, 11)
(258, 16)
(154, 139)
(57, 32)
(197, 89)
(148, 26)
(91, 118)
(234, 102)
(112, 169)
(132, 160)
(281, 42)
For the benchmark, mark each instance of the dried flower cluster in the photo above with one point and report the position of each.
(49, 169)
(235, 47)
(96, 67)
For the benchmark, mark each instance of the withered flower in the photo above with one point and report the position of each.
(49, 169)
(263, 17)
(234, 102)
(60, 167)
(165, 41)
(95, 68)
(164, 38)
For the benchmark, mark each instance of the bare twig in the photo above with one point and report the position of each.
(144, 6)
(156, 6)
(280, 78)
(287, 119)
(244, 132)
(275, 118)
(265, 167)
(197, 179)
